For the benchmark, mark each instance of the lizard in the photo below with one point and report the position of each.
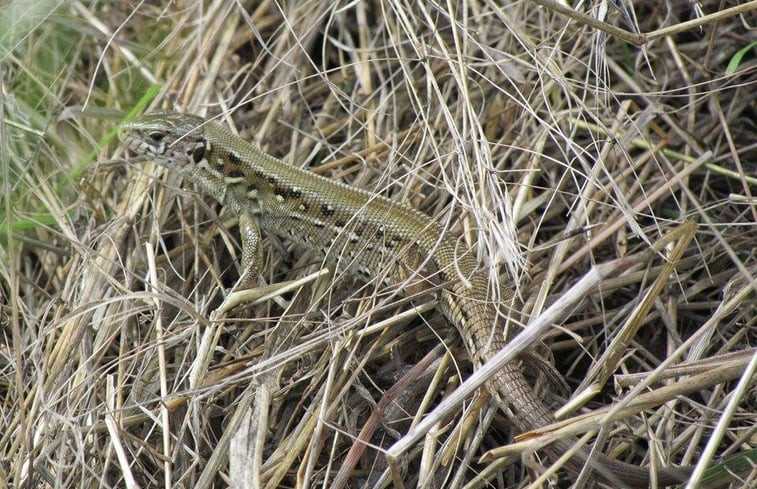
(364, 234)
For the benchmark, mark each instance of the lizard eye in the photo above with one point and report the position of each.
(156, 137)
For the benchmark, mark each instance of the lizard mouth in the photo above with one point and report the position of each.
(139, 142)
(161, 149)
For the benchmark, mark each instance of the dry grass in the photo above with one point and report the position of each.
(547, 145)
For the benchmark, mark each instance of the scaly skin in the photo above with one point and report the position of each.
(361, 233)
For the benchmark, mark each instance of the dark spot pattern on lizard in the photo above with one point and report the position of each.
(235, 158)
(198, 154)
(327, 210)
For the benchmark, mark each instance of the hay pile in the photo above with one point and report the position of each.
(547, 145)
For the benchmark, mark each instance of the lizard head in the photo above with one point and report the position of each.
(171, 139)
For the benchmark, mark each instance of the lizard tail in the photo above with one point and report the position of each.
(511, 389)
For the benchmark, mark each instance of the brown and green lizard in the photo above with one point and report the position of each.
(365, 234)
